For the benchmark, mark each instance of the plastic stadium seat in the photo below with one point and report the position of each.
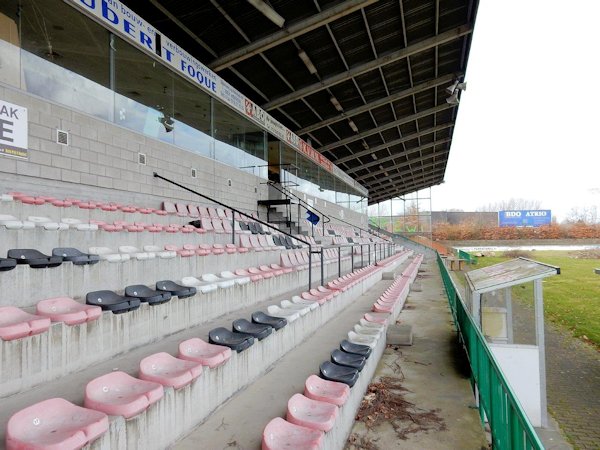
(349, 347)
(380, 318)
(288, 314)
(109, 254)
(278, 267)
(67, 310)
(210, 355)
(256, 271)
(255, 330)
(367, 330)
(378, 308)
(302, 309)
(321, 300)
(179, 251)
(302, 302)
(47, 224)
(362, 339)
(326, 391)
(145, 294)
(119, 394)
(7, 264)
(176, 290)
(311, 413)
(235, 341)
(212, 278)
(348, 359)
(16, 323)
(35, 259)
(245, 273)
(365, 323)
(168, 370)
(341, 374)
(262, 318)
(199, 285)
(169, 208)
(159, 252)
(280, 434)
(228, 275)
(54, 424)
(12, 223)
(75, 256)
(135, 252)
(218, 249)
(111, 301)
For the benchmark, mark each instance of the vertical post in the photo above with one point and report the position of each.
(375, 252)
(322, 269)
(313, 229)
(232, 227)
(339, 261)
(369, 250)
(540, 341)
(309, 267)
(509, 321)
(477, 309)
(362, 256)
(111, 69)
(351, 259)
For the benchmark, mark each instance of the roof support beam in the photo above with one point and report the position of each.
(408, 152)
(384, 127)
(392, 181)
(408, 188)
(389, 58)
(290, 32)
(389, 144)
(447, 79)
(422, 177)
(401, 165)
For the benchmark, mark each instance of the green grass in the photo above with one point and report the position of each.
(571, 299)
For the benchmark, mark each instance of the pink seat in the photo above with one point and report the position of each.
(317, 388)
(268, 269)
(310, 413)
(67, 310)
(245, 242)
(210, 355)
(245, 273)
(313, 298)
(181, 209)
(16, 323)
(280, 434)
(207, 224)
(54, 424)
(168, 370)
(255, 243)
(212, 212)
(231, 248)
(218, 226)
(193, 211)
(204, 249)
(377, 318)
(169, 208)
(218, 249)
(257, 271)
(119, 394)
(378, 308)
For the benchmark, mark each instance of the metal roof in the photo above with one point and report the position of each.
(376, 102)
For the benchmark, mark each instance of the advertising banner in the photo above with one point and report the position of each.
(13, 130)
(524, 218)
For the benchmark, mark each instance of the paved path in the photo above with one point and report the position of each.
(435, 377)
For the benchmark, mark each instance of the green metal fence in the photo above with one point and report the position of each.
(510, 427)
(471, 259)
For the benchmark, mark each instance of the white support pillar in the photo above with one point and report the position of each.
(540, 341)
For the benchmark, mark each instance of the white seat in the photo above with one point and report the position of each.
(212, 278)
(79, 225)
(47, 224)
(302, 309)
(159, 252)
(367, 331)
(362, 339)
(6, 198)
(12, 223)
(228, 275)
(136, 253)
(300, 301)
(108, 254)
(289, 314)
(204, 288)
(378, 326)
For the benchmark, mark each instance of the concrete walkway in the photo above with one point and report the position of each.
(434, 377)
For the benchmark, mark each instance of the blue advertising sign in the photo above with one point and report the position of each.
(524, 218)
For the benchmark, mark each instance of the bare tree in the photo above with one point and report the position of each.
(511, 204)
(583, 214)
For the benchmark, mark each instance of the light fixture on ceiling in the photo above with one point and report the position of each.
(307, 62)
(365, 145)
(268, 12)
(336, 104)
(374, 156)
(453, 99)
(454, 89)
(353, 125)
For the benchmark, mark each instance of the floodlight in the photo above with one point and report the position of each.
(453, 99)
(450, 89)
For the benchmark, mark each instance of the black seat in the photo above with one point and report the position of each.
(334, 372)
(35, 259)
(253, 228)
(145, 294)
(264, 319)
(259, 331)
(75, 256)
(175, 289)
(358, 349)
(348, 359)
(235, 341)
(111, 301)
(7, 264)
(244, 226)
(289, 242)
(195, 223)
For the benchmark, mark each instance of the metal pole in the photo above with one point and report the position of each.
(309, 267)
(232, 227)
(340, 262)
(352, 260)
(369, 250)
(362, 255)
(322, 269)
(509, 318)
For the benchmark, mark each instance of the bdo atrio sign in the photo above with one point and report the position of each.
(524, 218)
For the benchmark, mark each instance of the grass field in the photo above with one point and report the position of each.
(571, 299)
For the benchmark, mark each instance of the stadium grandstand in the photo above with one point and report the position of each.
(184, 204)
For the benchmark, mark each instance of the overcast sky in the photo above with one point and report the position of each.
(528, 123)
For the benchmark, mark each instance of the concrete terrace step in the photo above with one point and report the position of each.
(174, 415)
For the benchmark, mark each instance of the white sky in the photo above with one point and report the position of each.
(528, 122)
